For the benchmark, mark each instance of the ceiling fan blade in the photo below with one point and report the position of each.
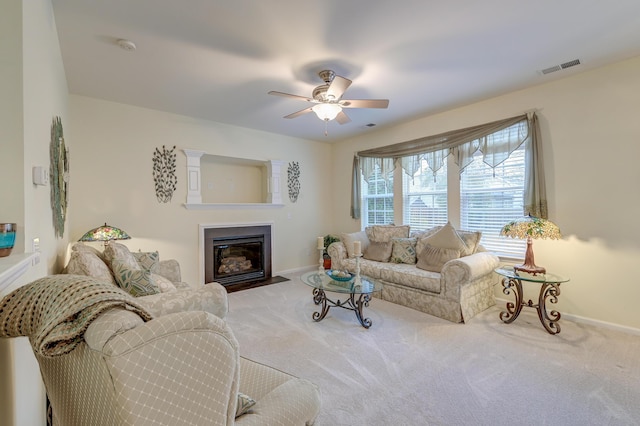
(299, 113)
(364, 103)
(288, 95)
(337, 87)
(342, 118)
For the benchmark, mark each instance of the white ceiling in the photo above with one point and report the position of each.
(216, 60)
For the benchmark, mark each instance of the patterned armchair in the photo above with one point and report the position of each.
(105, 360)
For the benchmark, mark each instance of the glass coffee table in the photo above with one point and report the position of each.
(358, 296)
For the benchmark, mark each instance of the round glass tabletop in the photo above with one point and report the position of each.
(326, 283)
(540, 278)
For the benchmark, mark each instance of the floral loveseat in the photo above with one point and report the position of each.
(441, 271)
(155, 283)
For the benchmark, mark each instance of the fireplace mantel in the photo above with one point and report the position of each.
(194, 184)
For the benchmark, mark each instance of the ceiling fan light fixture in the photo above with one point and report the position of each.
(327, 112)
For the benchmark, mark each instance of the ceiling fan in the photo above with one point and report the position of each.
(328, 99)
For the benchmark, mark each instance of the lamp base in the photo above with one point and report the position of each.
(530, 269)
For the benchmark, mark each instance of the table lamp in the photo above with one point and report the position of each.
(531, 228)
(105, 233)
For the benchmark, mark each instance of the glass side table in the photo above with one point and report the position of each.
(357, 296)
(549, 290)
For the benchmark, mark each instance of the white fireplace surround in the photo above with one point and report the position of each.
(194, 184)
(201, 239)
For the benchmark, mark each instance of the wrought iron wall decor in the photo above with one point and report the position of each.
(59, 176)
(293, 181)
(164, 173)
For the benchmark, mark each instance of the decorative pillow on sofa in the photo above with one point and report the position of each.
(245, 402)
(471, 239)
(379, 251)
(136, 282)
(348, 240)
(119, 251)
(89, 264)
(404, 250)
(446, 237)
(433, 258)
(147, 260)
(85, 248)
(385, 233)
(164, 285)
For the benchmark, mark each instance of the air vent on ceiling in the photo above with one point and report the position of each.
(370, 125)
(563, 66)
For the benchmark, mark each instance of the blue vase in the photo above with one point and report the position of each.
(7, 238)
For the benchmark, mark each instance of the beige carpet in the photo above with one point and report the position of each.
(411, 368)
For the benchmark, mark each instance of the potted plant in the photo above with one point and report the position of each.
(328, 239)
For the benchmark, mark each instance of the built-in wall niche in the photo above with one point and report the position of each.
(215, 181)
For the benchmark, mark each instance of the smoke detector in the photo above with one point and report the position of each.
(127, 45)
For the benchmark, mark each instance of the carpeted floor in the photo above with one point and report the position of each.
(411, 368)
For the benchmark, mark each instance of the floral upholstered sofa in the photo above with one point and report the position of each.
(441, 271)
(155, 283)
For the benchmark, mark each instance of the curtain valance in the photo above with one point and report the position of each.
(496, 140)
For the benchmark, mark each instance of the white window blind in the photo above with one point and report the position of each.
(377, 200)
(490, 198)
(425, 197)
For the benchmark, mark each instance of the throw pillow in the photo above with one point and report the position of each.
(385, 233)
(404, 250)
(471, 240)
(115, 250)
(148, 260)
(89, 264)
(164, 285)
(349, 239)
(447, 237)
(136, 282)
(84, 248)
(378, 251)
(245, 403)
(433, 258)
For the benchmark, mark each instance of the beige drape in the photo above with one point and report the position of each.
(496, 140)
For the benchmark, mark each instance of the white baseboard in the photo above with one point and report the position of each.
(296, 271)
(590, 321)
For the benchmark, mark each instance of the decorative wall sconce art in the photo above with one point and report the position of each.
(58, 176)
(293, 180)
(164, 173)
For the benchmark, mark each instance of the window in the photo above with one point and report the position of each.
(489, 198)
(377, 200)
(425, 197)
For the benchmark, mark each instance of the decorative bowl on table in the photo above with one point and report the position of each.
(342, 276)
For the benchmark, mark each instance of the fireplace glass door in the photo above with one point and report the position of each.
(238, 259)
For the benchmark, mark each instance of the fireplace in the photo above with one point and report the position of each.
(235, 256)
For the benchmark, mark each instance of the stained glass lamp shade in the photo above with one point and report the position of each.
(530, 228)
(105, 233)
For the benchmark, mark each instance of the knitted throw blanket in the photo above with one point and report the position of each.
(55, 311)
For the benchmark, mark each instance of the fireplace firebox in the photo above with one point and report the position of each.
(237, 255)
(238, 259)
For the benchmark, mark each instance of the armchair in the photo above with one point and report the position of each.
(102, 364)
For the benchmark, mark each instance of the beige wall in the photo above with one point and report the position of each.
(111, 181)
(591, 136)
(33, 91)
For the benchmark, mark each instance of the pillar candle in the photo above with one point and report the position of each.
(357, 248)
(320, 243)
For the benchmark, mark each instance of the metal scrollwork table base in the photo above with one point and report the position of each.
(357, 295)
(549, 291)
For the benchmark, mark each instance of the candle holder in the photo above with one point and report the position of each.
(321, 261)
(357, 280)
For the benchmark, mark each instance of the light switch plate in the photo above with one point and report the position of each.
(40, 175)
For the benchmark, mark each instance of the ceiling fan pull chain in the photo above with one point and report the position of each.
(326, 127)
